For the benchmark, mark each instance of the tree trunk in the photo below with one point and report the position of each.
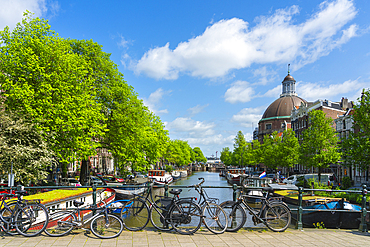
(83, 173)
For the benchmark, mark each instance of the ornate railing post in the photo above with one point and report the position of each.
(94, 197)
(300, 209)
(363, 225)
(235, 187)
(166, 190)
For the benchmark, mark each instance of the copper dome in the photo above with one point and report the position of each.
(289, 78)
(282, 107)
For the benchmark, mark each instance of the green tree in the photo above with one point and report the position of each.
(289, 149)
(23, 147)
(319, 147)
(199, 157)
(271, 150)
(239, 148)
(356, 148)
(51, 86)
(226, 156)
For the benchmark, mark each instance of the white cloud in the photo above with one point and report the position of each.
(191, 127)
(248, 117)
(240, 91)
(197, 109)
(314, 91)
(273, 93)
(232, 44)
(154, 99)
(265, 75)
(11, 11)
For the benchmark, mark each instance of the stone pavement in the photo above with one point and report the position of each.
(203, 238)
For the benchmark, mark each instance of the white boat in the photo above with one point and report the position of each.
(160, 177)
(129, 188)
(233, 175)
(176, 175)
(183, 173)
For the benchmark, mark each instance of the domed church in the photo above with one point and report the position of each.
(277, 115)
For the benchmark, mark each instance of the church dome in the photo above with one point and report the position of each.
(282, 107)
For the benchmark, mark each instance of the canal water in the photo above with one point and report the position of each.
(211, 179)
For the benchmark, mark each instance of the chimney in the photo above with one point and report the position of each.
(344, 103)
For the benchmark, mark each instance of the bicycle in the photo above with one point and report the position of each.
(214, 217)
(273, 213)
(26, 217)
(166, 213)
(103, 224)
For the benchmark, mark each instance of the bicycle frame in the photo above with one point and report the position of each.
(258, 215)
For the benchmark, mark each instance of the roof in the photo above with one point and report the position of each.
(282, 107)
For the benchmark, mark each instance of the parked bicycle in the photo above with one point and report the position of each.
(214, 217)
(273, 213)
(103, 224)
(166, 213)
(26, 217)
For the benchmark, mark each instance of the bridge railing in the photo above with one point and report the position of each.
(300, 209)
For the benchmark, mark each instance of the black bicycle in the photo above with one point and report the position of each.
(26, 217)
(214, 217)
(103, 224)
(166, 213)
(272, 212)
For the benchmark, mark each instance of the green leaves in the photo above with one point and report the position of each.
(319, 147)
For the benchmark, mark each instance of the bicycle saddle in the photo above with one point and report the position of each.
(175, 191)
(21, 192)
(77, 203)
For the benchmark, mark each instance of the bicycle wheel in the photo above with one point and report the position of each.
(6, 216)
(135, 214)
(186, 217)
(31, 220)
(106, 227)
(236, 215)
(60, 223)
(159, 216)
(277, 217)
(214, 218)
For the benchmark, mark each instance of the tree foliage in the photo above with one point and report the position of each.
(319, 147)
(23, 147)
(226, 156)
(356, 148)
(199, 157)
(51, 86)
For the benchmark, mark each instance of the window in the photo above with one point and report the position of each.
(344, 124)
(268, 126)
(282, 125)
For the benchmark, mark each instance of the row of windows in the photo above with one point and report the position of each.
(299, 124)
(269, 126)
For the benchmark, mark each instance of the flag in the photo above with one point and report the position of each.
(262, 175)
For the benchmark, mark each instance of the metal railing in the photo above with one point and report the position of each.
(299, 209)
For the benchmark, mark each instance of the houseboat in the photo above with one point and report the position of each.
(160, 177)
(233, 175)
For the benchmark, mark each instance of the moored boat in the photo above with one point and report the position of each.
(233, 175)
(160, 177)
(327, 218)
(176, 175)
(132, 186)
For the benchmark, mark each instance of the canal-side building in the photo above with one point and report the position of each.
(277, 116)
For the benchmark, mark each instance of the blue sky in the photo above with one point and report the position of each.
(210, 68)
